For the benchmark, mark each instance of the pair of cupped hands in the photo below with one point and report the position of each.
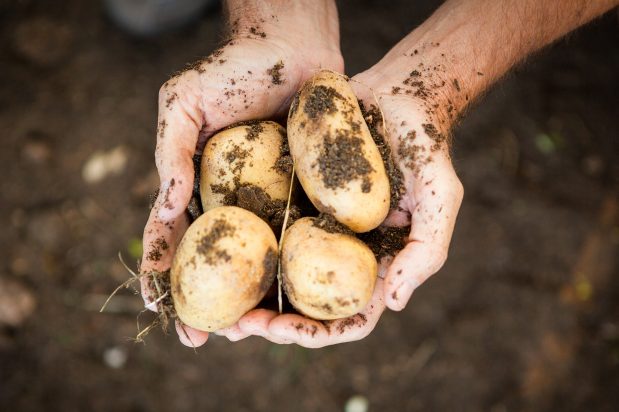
(235, 84)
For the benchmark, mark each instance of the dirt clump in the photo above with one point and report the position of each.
(329, 224)
(207, 246)
(342, 160)
(276, 73)
(374, 120)
(385, 241)
(321, 101)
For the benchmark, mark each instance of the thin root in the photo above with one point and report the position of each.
(163, 301)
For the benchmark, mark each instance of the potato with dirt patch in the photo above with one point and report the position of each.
(337, 161)
(327, 272)
(246, 165)
(223, 267)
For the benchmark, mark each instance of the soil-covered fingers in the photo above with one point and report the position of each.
(159, 243)
(434, 207)
(179, 125)
(316, 334)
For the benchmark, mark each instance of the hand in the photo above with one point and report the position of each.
(254, 76)
(429, 205)
(423, 84)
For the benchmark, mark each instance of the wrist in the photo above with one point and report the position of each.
(306, 28)
(422, 77)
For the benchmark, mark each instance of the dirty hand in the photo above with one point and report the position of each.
(422, 85)
(274, 47)
(429, 204)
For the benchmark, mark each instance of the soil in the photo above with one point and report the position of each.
(321, 101)
(342, 160)
(374, 121)
(276, 73)
(206, 247)
(254, 130)
(328, 223)
(385, 241)
(256, 200)
(524, 316)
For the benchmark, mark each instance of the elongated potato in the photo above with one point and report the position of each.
(249, 155)
(327, 272)
(223, 267)
(337, 161)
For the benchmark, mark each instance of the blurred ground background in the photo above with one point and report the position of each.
(524, 316)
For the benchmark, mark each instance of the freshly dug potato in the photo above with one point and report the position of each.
(252, 155)
(223, 267)
(327, 272)
(337, 161)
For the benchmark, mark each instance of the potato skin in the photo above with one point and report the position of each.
(223, 267)
(326, 275)
(245, 154)
(336, 159)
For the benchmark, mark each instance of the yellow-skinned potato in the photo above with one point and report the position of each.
(327, 274)
(223, 267)
(248, 154)
(336, 159)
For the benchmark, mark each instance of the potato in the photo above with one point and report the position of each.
(336, 159)
(327, 273)
(250, 155)
(223, 267)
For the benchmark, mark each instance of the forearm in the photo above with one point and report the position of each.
(466, 45)
(316, 20)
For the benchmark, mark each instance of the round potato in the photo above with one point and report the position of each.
(223, 267)
(252, 156)
(327, 273)
(337, 161)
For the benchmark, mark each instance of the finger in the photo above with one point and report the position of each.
(316, 334)
(233, 333)
(432, 223)
(256, 322)
(159, 242)
(179, 123)
(189, 336)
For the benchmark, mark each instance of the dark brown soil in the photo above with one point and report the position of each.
(159, 283)
(236, 157)
(385, 241)
(256, 200)
(434, 134)
(276, 73)
(269, 267)
(284, 163)
(328, 223)
(413, 156)
(342, 160)
(207, 245)
(374, 121)
(254, 130)
(321, 101)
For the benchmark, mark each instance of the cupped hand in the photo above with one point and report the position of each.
(429, 205)
(254, 76)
